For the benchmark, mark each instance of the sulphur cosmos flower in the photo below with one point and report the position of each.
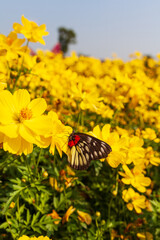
(31, 30)
(134, 200)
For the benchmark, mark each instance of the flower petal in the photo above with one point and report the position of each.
(25, 148)
(22, 98)
(40, 125)
(7, 107)
(17, 27)
(12, 145)
(26, 133)
(9, 130)
(38, 106)
(84, 217)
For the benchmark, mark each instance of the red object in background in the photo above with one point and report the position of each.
(56, 49)
(32, 53)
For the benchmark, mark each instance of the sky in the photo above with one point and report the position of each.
(102, 27)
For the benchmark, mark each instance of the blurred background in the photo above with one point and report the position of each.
(100, 28)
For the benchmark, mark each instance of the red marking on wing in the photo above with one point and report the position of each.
(72, 143)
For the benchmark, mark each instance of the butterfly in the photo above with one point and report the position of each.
(83, 148)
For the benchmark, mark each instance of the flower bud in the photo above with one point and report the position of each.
(45, 174)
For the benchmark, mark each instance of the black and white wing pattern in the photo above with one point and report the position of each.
(83, 148)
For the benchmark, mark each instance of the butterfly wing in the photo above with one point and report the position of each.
(86, 149)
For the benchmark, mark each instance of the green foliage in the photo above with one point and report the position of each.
(66, 37)
(23, 183)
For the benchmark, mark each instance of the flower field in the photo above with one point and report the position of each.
(43, 98)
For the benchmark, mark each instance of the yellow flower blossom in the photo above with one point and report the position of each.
(11, 46)
(152, 157)
(82, 92)
(118, 154)
(84, 217)
(155, 161)
(70, 210)
(55, 215)
(134, 200)
(135, 177)
(58, 135)
(31, 30)
(149, 134)
(24, 237)
(135, 150)
(22, 122)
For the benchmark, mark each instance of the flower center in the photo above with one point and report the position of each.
(25, 114)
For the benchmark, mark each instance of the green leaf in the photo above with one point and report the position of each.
(13, 196)
(56, 171)
(4, 225)
(61, 198)
(35, 218)
(36, 229)
(28, 216)
(55, 202)
(84, 225)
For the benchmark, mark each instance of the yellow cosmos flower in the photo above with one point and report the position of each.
(155, 161)
(24, 237)
(135, 149)
(22, 122)
(55, 215)
(134, 199)
(135, 177)
(84, 217)
(11, 46)
(59, 134)
(104, 134)
(67, 214)
(119, 149)
(152, 156)
(31, 30)
(149, 134)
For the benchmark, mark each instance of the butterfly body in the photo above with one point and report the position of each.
(83, 148)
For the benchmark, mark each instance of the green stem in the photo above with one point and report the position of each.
(28, 166)
(117, 177)
(18, 209)
(8, 221)
(109, 208)
(38, 160)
